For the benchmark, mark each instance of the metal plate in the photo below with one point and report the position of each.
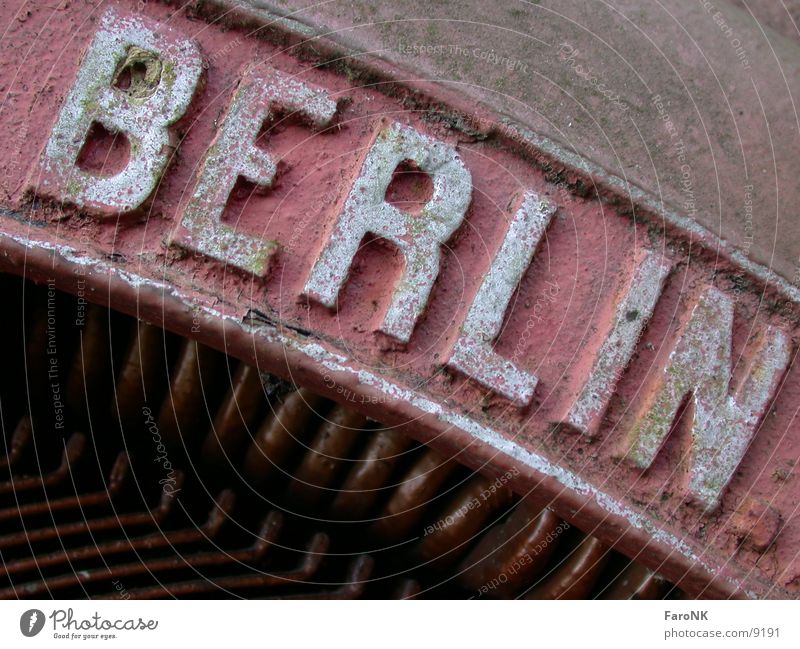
(430, 265)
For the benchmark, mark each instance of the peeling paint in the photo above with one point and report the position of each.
(333, 362)
(585, 356)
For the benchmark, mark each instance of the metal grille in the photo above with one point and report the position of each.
(139, 464)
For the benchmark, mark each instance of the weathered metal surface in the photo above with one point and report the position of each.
(722, 424)
(143, 112)
(469, 535)
(374, 325)
(631, 315)
(473, 353)
(234, 154)
(690, 105)
(419, 237)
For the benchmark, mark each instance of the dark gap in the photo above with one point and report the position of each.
(131, 75)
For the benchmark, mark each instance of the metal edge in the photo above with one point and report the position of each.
(609, 187)
(308, 364)
(581, 504)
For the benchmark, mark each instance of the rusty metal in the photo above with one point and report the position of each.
(370, 475)
(115, 483)
(521, 312)
(19, 440)
(408, 502)
(250, 557)
(136, 545)
(636, 582)
(235, 417)
(302, 573)
(355, 582)
(468, 514)
(520, 548)
(449, 516)
(578, 574)
(73, 450)
(408, 589)
(326, 455)
(139, 370)
(281, 433)
(92, 526)
(182, 412)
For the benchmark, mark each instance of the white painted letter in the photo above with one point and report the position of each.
(473, 354)
(234, 154)
(723, 424)
(630, 317)
(418, 237)
(167, 68)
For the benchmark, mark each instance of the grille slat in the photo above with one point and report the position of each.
(138, 546)
(578, 574)
(313, 499)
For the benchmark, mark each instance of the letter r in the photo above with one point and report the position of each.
(418, 237)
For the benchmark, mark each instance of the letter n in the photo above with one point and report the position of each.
(723, 418)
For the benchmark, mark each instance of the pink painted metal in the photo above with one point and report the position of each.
(566, 317)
